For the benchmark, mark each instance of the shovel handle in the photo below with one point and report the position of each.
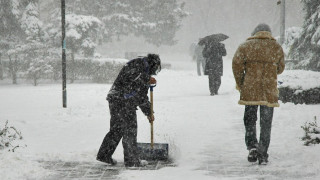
(151, 113)
(151, 135)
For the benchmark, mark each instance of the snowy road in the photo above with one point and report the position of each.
(205, 133)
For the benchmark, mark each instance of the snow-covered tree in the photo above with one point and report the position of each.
(160, 21)
(307, 47)
(82, 35)
(10, 13)
(10, 29)
(31, 23)
(291, 35)
(156, 21)
(22, 35)
(37, 69)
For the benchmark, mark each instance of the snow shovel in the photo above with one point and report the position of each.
(153, 151)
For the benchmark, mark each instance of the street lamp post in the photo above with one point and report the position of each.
(63, 44)
(282, 4)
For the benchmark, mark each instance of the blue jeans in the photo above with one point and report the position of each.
(250, 119)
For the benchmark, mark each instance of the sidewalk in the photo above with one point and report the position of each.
(80, 170)
(91, 170)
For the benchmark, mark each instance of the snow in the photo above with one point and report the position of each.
(299, 79)
(112, 60)
(316, 36)
(291, 34)
(205, 133)
(73, 34)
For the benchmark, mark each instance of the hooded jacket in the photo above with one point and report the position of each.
(255, 65)
(131, 85)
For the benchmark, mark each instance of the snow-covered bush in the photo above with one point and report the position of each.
(312, 132)
(103, 76)
(8, 137)
(38, 68)
(299, 87)
(101, 70)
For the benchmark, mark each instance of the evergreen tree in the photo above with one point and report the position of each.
(156, 21)
(160, 20)
(10, 29)
(82, 35)
(38, 67)
(11, 32)
(307, 47)
(31, 23)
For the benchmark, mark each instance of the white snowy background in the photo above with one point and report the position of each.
(205, 133)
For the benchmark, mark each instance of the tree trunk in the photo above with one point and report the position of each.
(35, 82)
(12, 71)
(56, 71)
(1, 68)
(72, 68)
(15, 70)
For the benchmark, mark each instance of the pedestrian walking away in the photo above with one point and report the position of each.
(213, 51)
(129, 91)
(198, 57)
(255, 65)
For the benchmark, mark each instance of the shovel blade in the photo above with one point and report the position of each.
(158, 152)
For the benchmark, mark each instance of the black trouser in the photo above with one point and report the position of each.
(123, 124)
(214, 83)
(250, 118)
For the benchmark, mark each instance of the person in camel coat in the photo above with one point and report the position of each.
(255, 65)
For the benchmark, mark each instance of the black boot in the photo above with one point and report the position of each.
(263, 159)
(109, 161)
(253, 155)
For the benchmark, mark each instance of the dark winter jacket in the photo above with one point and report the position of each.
(131, 86)
(213, 53)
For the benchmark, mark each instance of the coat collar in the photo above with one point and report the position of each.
(261, 35)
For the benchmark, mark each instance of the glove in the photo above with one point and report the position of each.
(151, 118)
(152, 81)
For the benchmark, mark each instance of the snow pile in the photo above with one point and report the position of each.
(299, 79)
(16, 165)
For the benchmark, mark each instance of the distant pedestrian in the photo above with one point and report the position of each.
(213, 52)
(256, 64)
(198, 57)
(129, 90)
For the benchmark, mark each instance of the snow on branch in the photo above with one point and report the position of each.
(8, 137)
(312, 132)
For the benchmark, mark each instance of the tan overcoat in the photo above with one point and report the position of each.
(255, 65)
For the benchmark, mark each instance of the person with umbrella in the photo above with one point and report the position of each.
(213, 51)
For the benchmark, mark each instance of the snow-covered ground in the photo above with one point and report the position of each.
(205, 133)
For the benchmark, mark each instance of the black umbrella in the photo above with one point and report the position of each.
(213, 38)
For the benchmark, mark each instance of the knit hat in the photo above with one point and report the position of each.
(261, 27)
